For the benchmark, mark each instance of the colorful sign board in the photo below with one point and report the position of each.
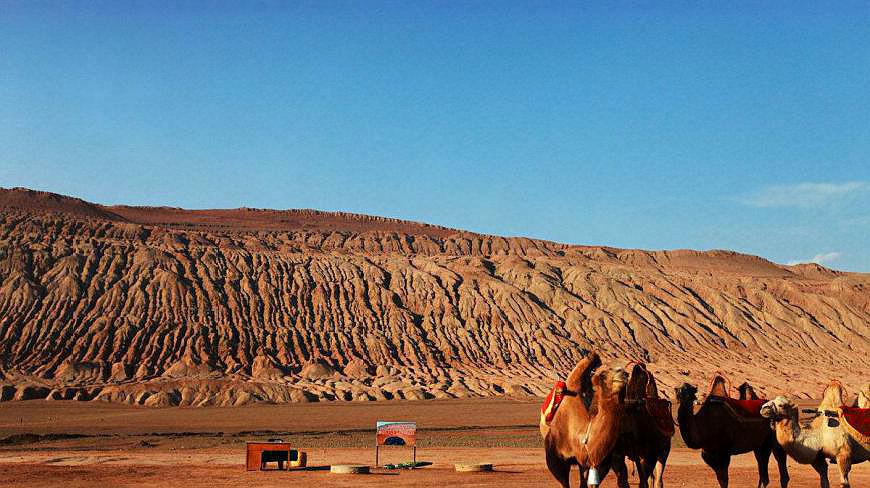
(397, 434)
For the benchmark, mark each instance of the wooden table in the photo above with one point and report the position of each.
(256, 450)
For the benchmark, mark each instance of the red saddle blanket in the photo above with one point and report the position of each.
(858, 419)
(660, 410)
(746, 408)
(551, 403)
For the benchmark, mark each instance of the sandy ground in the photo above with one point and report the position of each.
(88, 444)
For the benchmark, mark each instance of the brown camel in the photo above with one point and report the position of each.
(647, 428)
(825, 438)
(586, 424)
(721, 432)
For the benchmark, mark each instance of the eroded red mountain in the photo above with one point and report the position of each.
(165, 306)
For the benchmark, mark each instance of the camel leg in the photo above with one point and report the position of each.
(645, 472)
(845, 464)
(645, 467)
(821, 467)
(560, 469)
(782, 463)
(620, 470)
(658, 476)
(719, 463)
(657, 472)
(762, 458)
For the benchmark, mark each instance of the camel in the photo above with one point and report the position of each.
(586, 425)
(825, 437)
(645, 439)
(721, 433)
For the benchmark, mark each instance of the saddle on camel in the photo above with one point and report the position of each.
(747, 407)
(726, 426)
(647, 428)
(857, 417)
(857, 423)
(554, 399)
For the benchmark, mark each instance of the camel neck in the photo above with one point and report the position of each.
(603, 429)
(787, 431)
(802, 444)
(610, 407)
(686, 419)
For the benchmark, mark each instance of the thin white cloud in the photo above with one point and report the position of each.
(825, 258)
(804, 195)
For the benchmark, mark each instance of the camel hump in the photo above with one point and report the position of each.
(834, 396)
(638, 380)
(747, 392)
(863, 400)
(719, 386)
(652, 389)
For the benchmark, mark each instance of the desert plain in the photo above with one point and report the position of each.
(94, 444)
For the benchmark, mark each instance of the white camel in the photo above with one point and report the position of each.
(825, 438)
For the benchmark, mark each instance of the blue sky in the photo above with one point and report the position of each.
(741, 126)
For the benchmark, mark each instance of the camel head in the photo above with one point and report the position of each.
(779, 408)
(609, 384)
(686, 393)
(747, 392)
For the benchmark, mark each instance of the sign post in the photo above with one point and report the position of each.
(395, 434)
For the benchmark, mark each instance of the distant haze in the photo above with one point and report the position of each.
(744, 128)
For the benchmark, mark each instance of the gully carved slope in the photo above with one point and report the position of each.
(163, 306)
